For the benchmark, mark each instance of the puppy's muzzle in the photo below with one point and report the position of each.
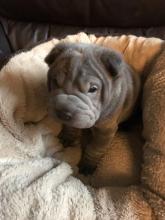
(73, 110)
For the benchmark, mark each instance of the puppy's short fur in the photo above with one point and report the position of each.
(93, 88)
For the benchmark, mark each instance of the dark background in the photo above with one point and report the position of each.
(25, 23)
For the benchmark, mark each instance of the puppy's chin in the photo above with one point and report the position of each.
(81, 125)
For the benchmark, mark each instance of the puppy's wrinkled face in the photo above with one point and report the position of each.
(81, 80)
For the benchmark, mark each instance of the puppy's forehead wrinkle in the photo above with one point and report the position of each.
(99, 70)
(75, 66)
(89, 67)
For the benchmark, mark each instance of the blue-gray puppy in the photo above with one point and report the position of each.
(91, 87)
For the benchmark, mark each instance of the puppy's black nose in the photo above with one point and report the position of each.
(64, 115)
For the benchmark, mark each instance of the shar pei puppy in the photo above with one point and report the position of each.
(94, 90)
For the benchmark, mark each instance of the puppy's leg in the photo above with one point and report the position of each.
(153, 175)
(95, 146)
(70, 137)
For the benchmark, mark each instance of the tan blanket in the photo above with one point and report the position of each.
(35, 185)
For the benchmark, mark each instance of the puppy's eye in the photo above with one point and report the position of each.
(92, 89)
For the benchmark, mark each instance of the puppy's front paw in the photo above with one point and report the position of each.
(86, 168)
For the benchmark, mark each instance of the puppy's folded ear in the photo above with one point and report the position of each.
(54, 53)
(112, 61)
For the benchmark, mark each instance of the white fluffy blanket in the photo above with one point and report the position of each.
(35, 185)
